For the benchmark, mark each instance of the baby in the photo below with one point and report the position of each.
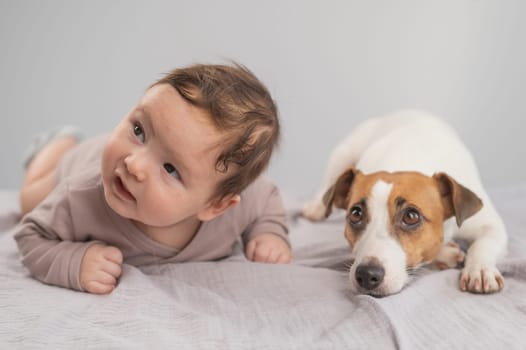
(177, 180)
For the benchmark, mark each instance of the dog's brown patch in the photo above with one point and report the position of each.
(419, 192)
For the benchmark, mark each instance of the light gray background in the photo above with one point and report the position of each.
(328, 64)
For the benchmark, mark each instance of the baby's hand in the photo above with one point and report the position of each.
(268, 248)
(100, 268)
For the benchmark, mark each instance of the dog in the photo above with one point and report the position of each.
(409, 186)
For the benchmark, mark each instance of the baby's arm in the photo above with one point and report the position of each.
(50, 248)
(266, 239)
(58, 262)
(51, 258)
(268, 248)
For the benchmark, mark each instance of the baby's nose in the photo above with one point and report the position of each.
(136, 166)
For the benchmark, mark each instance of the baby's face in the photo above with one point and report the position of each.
(158, 167)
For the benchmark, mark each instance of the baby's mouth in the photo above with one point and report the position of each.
(122, 190)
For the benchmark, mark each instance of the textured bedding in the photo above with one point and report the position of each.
(236, 304)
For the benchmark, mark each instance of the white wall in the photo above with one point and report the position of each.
(328, 64)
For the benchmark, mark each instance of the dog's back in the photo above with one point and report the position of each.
(417, 141)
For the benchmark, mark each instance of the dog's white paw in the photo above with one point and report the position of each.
(481, 279)
(314, 210)
(450, 256)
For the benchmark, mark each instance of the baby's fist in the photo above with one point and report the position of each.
(268, 248)
(100, 269)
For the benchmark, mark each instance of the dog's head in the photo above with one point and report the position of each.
(394, 222)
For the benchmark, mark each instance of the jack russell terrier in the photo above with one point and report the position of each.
(409, 186)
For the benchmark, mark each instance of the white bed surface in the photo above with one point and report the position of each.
(236, 304)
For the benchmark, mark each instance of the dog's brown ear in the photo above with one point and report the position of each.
(457, 199)
(337, 194)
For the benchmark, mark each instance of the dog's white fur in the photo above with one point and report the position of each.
(416, 141)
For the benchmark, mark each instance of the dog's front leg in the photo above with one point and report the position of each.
(480, 273)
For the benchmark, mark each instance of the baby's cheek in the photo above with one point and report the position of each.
(158, 214)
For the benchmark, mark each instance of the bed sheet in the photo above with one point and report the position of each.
(236, 304)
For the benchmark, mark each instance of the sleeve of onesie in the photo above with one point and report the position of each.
(271, 216)
(47, 242)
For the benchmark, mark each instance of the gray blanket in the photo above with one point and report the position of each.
(236, 304)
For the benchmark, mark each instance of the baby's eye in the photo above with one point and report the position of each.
(170, 169)
(139, 132)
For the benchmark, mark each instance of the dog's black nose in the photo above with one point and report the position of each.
(369, 276)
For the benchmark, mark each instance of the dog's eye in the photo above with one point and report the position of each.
(411, 217)
(356, 215)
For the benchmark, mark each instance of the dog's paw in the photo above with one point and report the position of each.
(450, 256)
(314, 210)
(481, 279)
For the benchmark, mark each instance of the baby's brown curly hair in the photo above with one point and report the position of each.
(240, 107)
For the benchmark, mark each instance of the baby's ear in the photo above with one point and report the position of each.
(216, 207)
